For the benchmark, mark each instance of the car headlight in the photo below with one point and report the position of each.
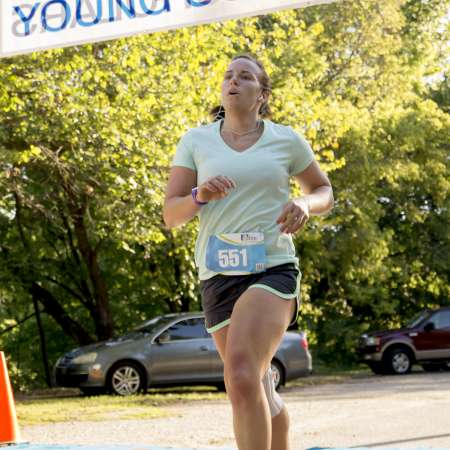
(87, 358)
(373, 340)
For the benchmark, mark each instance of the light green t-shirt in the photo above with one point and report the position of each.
(261, 174)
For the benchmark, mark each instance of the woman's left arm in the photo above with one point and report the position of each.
(317, 199)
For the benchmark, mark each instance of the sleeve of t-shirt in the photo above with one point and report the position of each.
(184, 155)
(302, 154)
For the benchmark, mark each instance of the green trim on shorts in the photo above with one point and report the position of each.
(278, 293)
(219, 326)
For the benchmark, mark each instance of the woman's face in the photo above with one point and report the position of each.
(241, 89)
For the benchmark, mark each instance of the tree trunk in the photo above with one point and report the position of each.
(54, 309)
(184, 299)
(48, 378)
(102, 316)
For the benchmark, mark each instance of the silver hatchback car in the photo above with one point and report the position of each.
(173, 349)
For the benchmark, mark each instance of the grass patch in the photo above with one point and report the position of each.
(325, 374)
(38, 410)
(321, 368)
(65, 405)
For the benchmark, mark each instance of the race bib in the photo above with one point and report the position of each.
(236, 253)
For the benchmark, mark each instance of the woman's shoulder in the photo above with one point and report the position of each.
(282, 130)
(200, 130)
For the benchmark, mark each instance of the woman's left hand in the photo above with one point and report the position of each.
(294, 215)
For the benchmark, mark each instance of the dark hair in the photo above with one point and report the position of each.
(218, 112)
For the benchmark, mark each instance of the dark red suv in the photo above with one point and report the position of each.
(425, 340)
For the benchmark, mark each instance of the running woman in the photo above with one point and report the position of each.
(234, 174)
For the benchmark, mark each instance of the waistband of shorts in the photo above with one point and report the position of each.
(279, 268)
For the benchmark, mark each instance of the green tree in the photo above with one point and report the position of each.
(87, 135)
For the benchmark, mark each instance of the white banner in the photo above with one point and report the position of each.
(30, 25)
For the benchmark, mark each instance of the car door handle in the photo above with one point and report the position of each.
(413, 334)
(204, 348)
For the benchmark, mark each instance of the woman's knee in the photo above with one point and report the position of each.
(242, 377)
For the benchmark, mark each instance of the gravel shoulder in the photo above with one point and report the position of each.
(366, 411)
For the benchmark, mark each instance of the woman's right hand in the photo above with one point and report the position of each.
(215, 188)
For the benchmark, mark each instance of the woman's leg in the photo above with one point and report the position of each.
(280, 423)
(280, 431)
(258, 322)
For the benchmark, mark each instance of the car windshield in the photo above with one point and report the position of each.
(416, 319)
(147, 328)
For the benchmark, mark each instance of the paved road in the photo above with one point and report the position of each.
(372, 411)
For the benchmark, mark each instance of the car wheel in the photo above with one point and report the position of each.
(377, 368)
(432, 367)
(126, 378)
(398, 361)
(278, 373)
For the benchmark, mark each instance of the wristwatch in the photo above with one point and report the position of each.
(194, 196)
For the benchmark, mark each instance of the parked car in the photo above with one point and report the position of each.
(173, 349)
(425, 340)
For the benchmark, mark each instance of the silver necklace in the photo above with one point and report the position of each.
(247, 132)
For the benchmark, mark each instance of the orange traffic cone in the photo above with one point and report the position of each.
(9, 427)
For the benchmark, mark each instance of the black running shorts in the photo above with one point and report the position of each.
(220, 293)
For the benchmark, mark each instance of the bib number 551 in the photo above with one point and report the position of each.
(233, 258)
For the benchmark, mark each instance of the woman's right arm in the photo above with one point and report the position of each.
(179, 206)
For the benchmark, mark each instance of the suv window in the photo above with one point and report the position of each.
(441, 320)
(417, 319)
(188, 329)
